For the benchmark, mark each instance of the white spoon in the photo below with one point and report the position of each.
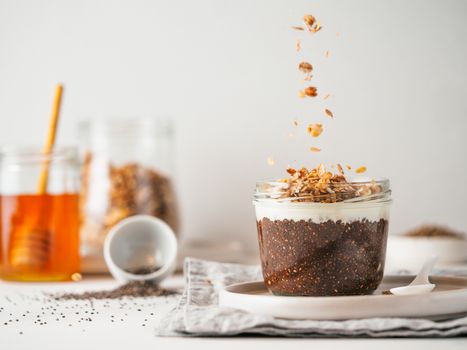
(421, 284)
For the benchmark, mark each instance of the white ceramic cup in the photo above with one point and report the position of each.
(140, 241)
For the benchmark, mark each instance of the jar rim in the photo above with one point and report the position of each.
(274, 191)
(160, 125)
(34, 154)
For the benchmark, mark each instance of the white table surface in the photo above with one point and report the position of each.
(127, 330)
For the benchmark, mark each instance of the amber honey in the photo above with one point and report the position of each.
(39, 237)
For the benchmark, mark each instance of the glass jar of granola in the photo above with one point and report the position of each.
(321, 234)
(126, 171)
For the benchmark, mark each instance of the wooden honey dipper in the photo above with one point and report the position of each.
(30, 240)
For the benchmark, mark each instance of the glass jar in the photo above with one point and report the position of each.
(39, 226)
(127, 169)
(320, 246)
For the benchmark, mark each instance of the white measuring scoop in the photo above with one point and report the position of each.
(421, 284)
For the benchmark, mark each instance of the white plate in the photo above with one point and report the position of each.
(449, 299)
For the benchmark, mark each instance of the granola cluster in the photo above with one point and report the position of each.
(315, 129)
(321, 185)
(310, 24)
(132, 189)
(135, 189)
(306, 68)
(434, 231)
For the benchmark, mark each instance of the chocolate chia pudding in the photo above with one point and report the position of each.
(322, 237)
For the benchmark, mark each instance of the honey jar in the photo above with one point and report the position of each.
(39, 231)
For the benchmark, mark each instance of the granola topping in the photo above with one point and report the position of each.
(360, 170)
(317, 27)
(305, 67)
(298, 46)
(315, 129)
(340, 169)
(298, 28)
(321, 185)
(311, 91)
(309, 20)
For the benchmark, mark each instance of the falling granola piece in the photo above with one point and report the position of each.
(315, 129)
(360, 170)
(309, 20)
(329, 113)
(295, 122)
(311, 91)
(321, 170)
(339, 168)
(315, 149)
(317, 27)
(298, 45)
(326, 54)
(270, 161)
(305, 67)
(348, 167)
(326, 96)
(298, 28)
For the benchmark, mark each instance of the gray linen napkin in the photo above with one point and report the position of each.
(198, 313)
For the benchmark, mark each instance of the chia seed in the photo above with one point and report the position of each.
(132, 289)
(331, 258)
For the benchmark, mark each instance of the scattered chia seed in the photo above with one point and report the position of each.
(145, 270)
(117, 305)
(134, 289)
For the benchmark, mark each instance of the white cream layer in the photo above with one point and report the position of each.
(321, 212)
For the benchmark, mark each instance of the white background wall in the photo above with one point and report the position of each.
(226, 71)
